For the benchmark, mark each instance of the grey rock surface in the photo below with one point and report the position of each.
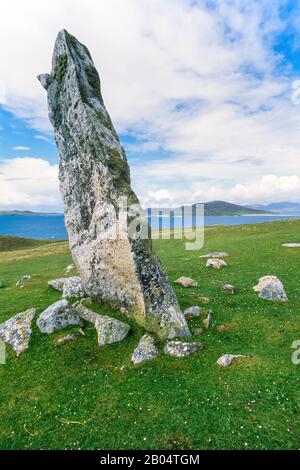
(145, 351)
(110, 330)
(180, 349)
(59, 315)
(216, 263)
(57, 284)
(17, 331)
(228, 359)
(192, 312)
(271, 288)
(73, 287)
(229, 288)
(186, 282)
(215, 254)
(121, 271)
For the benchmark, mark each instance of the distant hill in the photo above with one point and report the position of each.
(292, 208)
(216, 208)
(27, 213)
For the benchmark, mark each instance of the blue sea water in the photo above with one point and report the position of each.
(51, 227)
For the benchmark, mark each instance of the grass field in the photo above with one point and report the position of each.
(77, 395)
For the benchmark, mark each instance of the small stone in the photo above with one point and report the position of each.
(207, 321)
(65, 339)
(73, 287)
(291, 245)
(228, 359)
(186, 282)
(59, 315)
(216, 263)
(110, 330)
(69, 268)
(17, 331)
(221, 328)
(192, 312)
(203, 300)
(215, 254)
(57, 284)
(271, 288)
(145, 351)
(180, 349)
(229, 288)
(22, 281)
(198, 331)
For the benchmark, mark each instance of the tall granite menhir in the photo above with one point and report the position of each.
(93, 172)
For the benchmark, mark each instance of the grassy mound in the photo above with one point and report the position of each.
(78, 395)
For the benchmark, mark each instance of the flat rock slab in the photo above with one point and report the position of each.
(215, 254)
(110, 330)
(192, 312)
(17, 331)
(216, 263)
(186, 282)
(180, 349)
(73, 288)
(271, 288)
(228, 359)
(57, 284)
(291, 245)
(145, 351)
(59, 315)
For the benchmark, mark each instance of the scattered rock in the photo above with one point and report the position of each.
(216, 263)
(207, 321)
(271, 288)
(145, 351)
(116, 267)
(203, 300)
(198, 331)
(221, 328)
(228, 359)
(291, 245)
(57, 284)
(22, 281)
(215, 254)
(180, 349)
(65, 339)
(229, 288)
(59, 315)
(73, 288)
(69, 268)
(17, 331)
(110, 330)
(186, 282)
(85, 313)
(192, 312)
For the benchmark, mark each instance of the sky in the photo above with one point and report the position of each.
(205, 96)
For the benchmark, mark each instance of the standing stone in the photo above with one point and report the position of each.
(271, 288)
(115, 269)
(145, 351)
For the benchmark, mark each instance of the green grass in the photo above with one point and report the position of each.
(77, 395)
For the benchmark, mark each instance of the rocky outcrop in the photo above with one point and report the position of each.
(179, 349)
(59, 315)
(145, 351)
(116, 268)
(271, 288)
(17, 331)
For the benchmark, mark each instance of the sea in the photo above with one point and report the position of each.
(52, 227)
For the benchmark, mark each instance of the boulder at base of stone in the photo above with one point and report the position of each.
(192, 312)
(228, 359)
(110, 330)
(215, 254)
(229, 288)
(186, 282)
(17, 331)
(291, 245)
(145, 351)
(180, 349)
(271, 288)
(59, 315)
(216, 263)
(73, 287)
(57, 284)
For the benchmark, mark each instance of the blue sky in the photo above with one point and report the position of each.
(204, 95)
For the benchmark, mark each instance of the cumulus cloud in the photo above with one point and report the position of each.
(29, 183)
(198, 80)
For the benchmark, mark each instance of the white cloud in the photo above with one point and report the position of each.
(199, 82)
(21, 148)
(29, 183)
